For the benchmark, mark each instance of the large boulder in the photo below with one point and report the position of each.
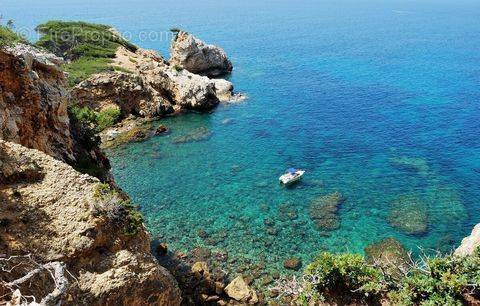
(194, 55)
(324, 211)
(240, 291)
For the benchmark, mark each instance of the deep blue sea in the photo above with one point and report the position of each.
(379, 100)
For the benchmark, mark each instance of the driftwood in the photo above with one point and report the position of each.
(29, 268)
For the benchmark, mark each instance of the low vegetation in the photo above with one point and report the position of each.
(432, 280)
(118, 209)
(96, 121)
(89, 48)
(8, 36)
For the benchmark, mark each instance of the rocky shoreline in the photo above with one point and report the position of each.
(56, 215)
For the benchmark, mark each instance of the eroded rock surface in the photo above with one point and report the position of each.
(194, 55)
(54, 213)
(34, 100)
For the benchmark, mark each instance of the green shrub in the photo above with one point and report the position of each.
(438, 280)
(9, 37)
(96, 121)
(342, 272)
(107, 117)
(73, 40)
(124, 211)
(177, 67)
(84, 67)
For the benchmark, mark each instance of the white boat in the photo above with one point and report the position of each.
(291, 175)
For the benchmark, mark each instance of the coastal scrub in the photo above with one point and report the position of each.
(88, 48)
(9, 37)
(431, 280)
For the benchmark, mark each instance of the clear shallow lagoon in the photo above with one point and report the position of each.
(336, 87)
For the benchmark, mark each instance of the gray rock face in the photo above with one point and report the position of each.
(194, 55)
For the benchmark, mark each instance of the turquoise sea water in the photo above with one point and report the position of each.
(339, 88)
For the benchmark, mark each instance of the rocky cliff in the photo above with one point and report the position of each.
(64, 236)
(55, 214)
(34, 99)
(469, 244)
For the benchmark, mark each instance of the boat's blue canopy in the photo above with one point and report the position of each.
(292, 170)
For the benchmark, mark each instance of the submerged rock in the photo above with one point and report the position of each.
(293, 263)
(162, 129)
(199, 134)
(287, 212)
(324, 211)
(416, 164)
(192, 54)
(408, 214)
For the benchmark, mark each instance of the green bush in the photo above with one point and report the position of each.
(124, 211)
(83, 68)
(89, 47)
(9, 37)
(342, 272)
(107, 117)
(177, 68)
(438, 280)
(73, 40)
(96, 121)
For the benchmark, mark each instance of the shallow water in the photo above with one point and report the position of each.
(339, 88)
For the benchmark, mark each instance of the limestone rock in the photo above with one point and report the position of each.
(34, 97)
(34, 100)
(194, 55)
(151, 89)
(469, 244)
(56, 215)
(240, 291)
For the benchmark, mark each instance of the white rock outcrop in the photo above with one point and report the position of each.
(469, 244)
(194, 55)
